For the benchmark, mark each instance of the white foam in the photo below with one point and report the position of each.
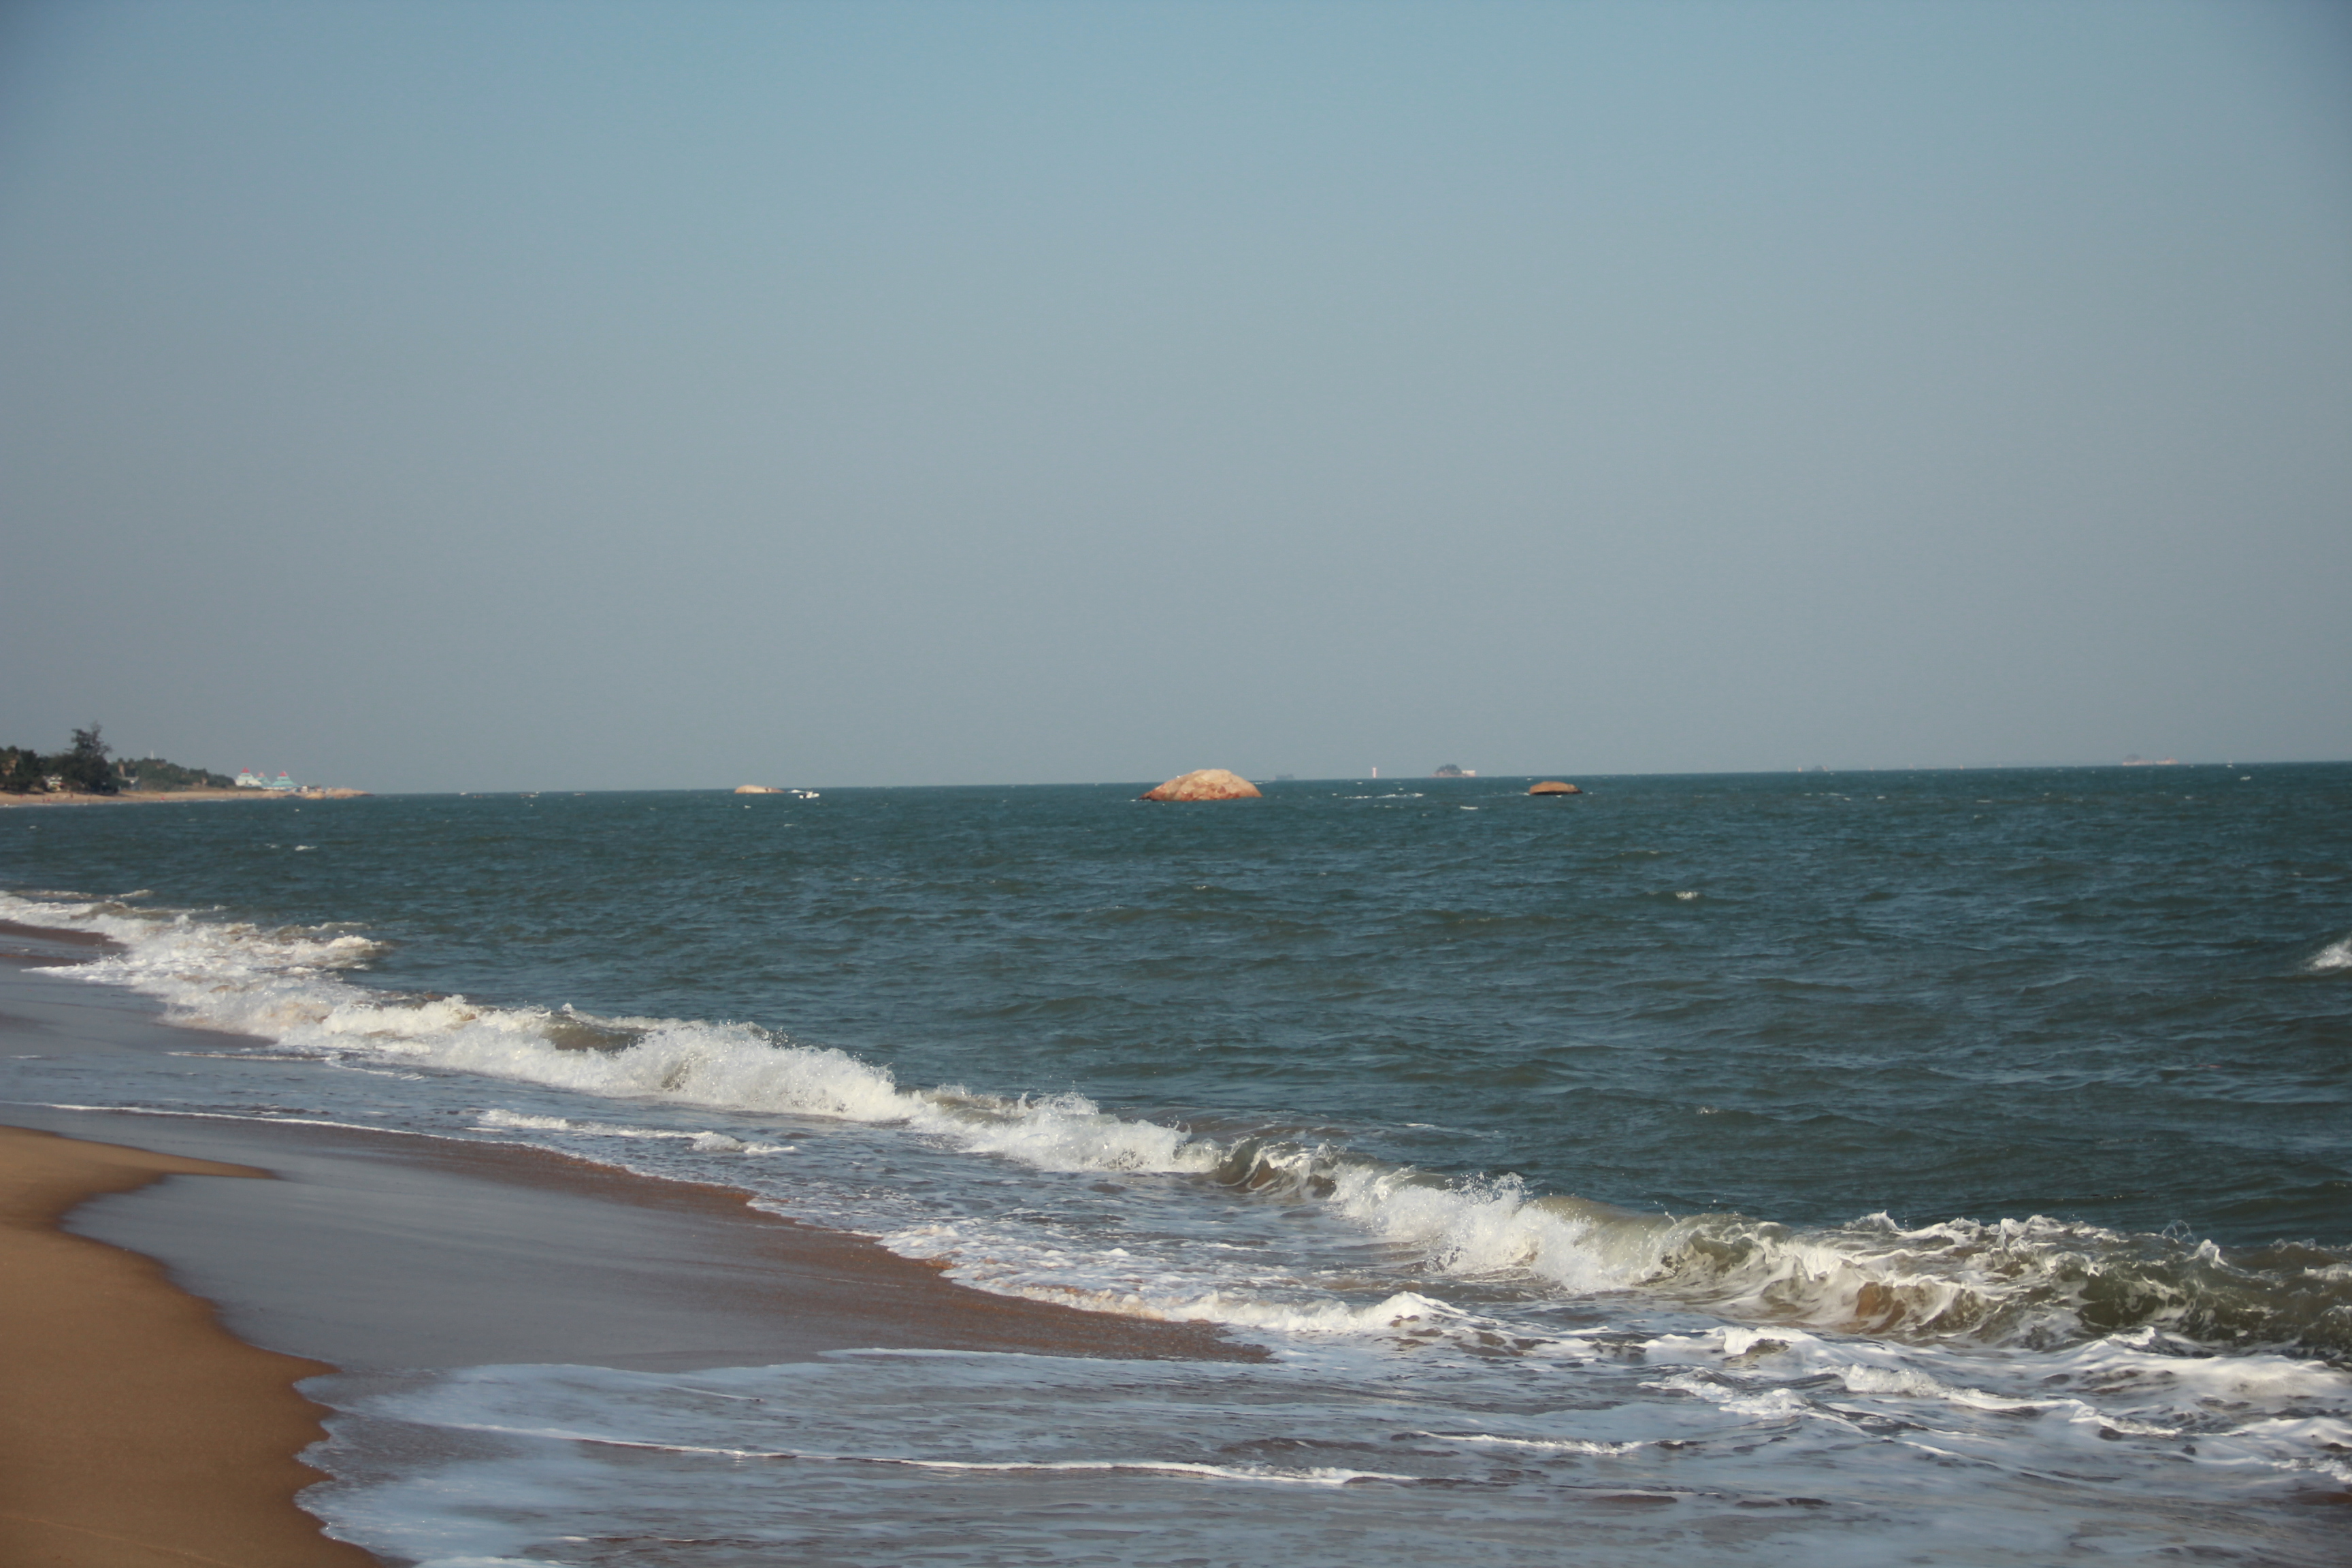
(1403, 1312)
(819, 1460)
(742, 1068)
(2337, 955)
(2013, 1281)
(517, 1122)
(282, 986)
(1539, 1445)
(1484, 1227)
(1318, 1475)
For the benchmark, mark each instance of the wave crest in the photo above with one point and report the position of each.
(2035, 1282)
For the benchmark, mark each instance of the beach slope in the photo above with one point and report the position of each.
(133, 1429)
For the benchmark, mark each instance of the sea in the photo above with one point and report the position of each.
(1812, 1168)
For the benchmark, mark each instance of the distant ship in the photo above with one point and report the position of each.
(1449, 771)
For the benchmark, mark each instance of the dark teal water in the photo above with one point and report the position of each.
(2121, 996)
(1944, 1167)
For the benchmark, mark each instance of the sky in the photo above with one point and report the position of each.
(497, 395)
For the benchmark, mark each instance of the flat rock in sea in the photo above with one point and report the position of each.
(760, 789)
(1553, 786)
(1206, 783)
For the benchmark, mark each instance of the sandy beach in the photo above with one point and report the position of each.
(172, 796)
(134, 1429)
(137, 798)
(164, 1300)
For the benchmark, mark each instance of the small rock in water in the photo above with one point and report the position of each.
(1553, 786)
(1207, 783)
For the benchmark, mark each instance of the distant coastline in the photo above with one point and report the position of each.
(165, 797)
(89, 773)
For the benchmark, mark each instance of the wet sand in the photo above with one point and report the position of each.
(148, 797)
(376, 1251)
(373, 1251)
(134, 1430)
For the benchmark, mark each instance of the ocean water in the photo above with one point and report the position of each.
(1802, 1168)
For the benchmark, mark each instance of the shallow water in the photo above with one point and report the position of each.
(1964, 1154)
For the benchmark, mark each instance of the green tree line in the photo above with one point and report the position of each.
(89, 766)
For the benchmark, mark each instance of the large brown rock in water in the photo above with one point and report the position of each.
(1209, 783)
(1553, 786)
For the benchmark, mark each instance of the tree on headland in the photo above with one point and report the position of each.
(153, 775)
(89, 767)
(22, 771)
(84, 769)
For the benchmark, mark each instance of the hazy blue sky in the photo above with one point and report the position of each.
(506, 395)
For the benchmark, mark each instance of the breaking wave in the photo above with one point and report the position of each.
(2036, 1283)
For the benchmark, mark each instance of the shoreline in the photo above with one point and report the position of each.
(172, 796)
(158, 1302)
(435, 1222)
(378, 1251)
(135, 1428)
